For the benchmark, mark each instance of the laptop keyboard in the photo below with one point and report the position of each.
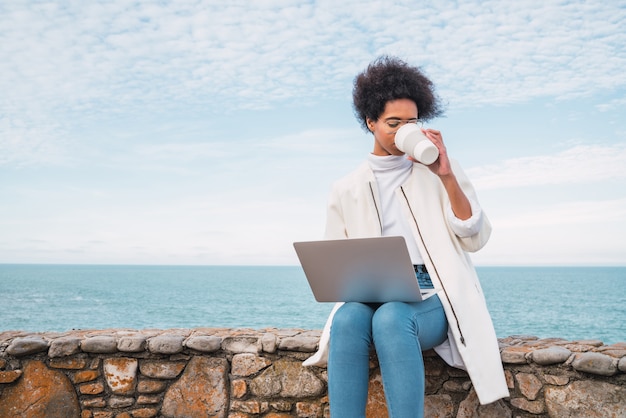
(423, 278)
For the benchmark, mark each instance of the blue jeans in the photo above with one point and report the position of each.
(399, 331)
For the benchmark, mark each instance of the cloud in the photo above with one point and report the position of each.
(209, 228)
(579, 232)
(574, 214)
(73, 62)
(27, 139)
(579, 164)
(104, 55)
(612, 104)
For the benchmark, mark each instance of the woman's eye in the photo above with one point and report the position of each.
(393, 123)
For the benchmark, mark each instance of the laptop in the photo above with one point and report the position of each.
(369, 270)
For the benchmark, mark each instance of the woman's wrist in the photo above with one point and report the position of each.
(458, 200)
(448, 179)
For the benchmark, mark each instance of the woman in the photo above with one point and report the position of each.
(435, 208)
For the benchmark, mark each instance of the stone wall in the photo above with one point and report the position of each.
(241, 373)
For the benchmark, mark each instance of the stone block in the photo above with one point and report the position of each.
(94, 363)
(510, 382)
(151, 386)
(166, 344)
(238, 388)
(556, 380)
(132, 344)
(102, 344)
(247, 364)
(118, 402)
(457, 386)
(234, 414)
(298, 343)
(534, 407)
(144, 413)
(93, 403)
(288, 379)
(595, 363)
(281, 406)
(440, 365)
(40, 392)
(65, 346)
(586, 398)
(618, 354)
(308, 410)
(269, 342)
(10, 376)
(470, 407)
(85, 376)
(592, 343)
(120, 374)
(23, 346)
(529, 385)
(204, 343)
(74, 363)
(515, 354)
(202, 390)
(159, 369)
(434, 366)
(440, 406)
(246, 407)
(94, 388)
(550, 355)
(237, 345)
(149, 399)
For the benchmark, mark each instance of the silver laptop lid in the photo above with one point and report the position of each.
(360, 270)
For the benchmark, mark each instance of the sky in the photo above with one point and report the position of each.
(210, 132)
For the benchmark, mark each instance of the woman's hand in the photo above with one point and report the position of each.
(441, 166)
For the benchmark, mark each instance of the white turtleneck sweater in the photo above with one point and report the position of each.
(391, 171)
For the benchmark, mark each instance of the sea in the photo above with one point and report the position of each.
(573, 303)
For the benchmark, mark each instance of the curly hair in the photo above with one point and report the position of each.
(389, 78)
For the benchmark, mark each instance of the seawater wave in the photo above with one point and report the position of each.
(566, 302)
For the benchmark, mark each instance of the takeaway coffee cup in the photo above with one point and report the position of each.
(411, 140)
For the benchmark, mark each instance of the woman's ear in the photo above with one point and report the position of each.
(370, 124)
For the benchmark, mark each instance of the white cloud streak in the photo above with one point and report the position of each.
(581, 164)
(572, 214)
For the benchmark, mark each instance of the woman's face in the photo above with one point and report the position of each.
(397, 113)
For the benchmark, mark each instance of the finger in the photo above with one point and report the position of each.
(435, 139)
(432, 133)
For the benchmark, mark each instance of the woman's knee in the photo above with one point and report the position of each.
(352, 317)
(391, 317)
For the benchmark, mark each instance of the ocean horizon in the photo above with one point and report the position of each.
(569, 302)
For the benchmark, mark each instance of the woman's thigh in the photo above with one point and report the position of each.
(425, 320)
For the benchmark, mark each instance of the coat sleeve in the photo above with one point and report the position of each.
(477, 241)
(335, 225)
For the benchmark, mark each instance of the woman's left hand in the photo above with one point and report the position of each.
(441, 166)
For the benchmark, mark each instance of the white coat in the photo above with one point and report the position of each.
(353, 212)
